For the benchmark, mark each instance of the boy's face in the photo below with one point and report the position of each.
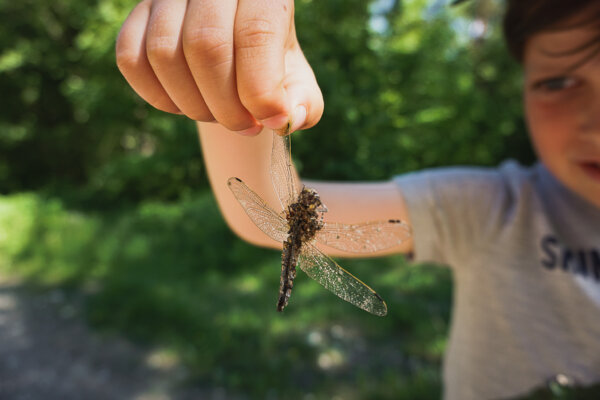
(562, 105)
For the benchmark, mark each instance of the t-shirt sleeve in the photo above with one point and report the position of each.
(453, 211)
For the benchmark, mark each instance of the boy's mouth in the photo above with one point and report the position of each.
(591, 168)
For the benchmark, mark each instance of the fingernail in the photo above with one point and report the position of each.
(276, 122)
(255, 130)
(298, 117)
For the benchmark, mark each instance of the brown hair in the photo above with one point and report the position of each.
(525, 18)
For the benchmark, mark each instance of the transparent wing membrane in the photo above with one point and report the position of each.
(259, 212)
(328, 273)
(364, 237)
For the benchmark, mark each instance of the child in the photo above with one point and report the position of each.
(523, 243)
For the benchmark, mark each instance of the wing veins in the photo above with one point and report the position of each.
(336, 279)
(263, 216)
(364, 237)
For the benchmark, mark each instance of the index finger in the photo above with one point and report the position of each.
(263, 29)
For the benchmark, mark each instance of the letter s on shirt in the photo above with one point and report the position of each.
(549, 246)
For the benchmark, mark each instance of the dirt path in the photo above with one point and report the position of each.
(47, 352)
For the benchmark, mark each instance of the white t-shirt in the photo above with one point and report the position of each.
(525, 256)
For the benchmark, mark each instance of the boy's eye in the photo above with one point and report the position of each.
(555, 84)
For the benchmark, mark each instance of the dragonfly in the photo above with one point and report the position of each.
(300, 225)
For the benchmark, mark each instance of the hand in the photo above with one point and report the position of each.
(234, 62)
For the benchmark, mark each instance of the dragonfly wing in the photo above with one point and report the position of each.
(284, 180)
(364, 237)
(328, 273)
(259, 212)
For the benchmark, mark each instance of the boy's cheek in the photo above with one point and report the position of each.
(549, 130)
(549, 117)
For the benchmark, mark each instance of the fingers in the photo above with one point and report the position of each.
(208, 45)
(133, 62)
(165, 53)
(236, 61)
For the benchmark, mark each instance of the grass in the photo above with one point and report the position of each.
(172, 276)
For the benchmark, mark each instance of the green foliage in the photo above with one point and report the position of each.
(173, 276)
(69, 117)
(418, 94)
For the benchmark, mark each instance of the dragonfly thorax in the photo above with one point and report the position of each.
(305, 216)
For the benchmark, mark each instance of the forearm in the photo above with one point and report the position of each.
(228, 154)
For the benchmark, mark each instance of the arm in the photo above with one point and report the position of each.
(240, 64)
(228, 154)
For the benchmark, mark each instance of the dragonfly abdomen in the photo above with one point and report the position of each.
(289, 260)
(303, 222)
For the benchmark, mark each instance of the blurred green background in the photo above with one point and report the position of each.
(103, 196)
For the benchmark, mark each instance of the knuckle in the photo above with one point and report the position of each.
(161, 48)
(127, 61)
(127, 58)
(211, 44)
(254, 33)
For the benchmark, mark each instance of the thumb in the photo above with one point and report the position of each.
(303, 92)
(274, 79)
(262, 30)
